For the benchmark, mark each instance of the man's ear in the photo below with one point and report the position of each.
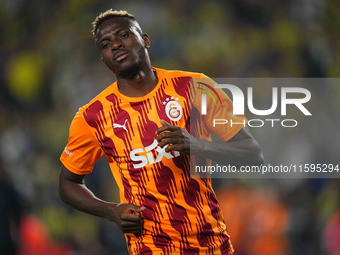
(146, 40)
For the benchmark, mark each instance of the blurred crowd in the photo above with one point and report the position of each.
(50, 67)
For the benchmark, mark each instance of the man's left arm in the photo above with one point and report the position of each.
(240, 150)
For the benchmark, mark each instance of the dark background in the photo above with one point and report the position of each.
(50, 67)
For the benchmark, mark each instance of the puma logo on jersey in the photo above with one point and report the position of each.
(116, 125)
(145, 155)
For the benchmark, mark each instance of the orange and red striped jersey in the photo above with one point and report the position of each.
(182, 215)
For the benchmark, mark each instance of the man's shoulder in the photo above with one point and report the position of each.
(180, 73)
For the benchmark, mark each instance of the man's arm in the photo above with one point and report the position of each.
(73, 191)
(240, 150)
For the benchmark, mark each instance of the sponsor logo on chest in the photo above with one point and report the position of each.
(145, 155)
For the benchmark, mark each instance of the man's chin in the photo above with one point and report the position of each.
(129, 71)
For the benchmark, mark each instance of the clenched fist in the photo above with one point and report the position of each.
(128, 217)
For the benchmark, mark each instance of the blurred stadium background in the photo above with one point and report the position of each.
(49, 68)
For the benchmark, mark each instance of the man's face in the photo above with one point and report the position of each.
(121, 45)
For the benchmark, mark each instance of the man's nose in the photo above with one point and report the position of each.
(116, 45)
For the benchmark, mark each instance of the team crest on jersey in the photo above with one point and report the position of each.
(173, 109)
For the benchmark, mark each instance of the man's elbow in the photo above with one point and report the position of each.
(257, 155)
(65, 195)
(61, 191)
(259, 158)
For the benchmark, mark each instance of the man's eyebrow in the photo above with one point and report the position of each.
(102, 39)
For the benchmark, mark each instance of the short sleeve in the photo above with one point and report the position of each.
(218, 119)
(82, 150)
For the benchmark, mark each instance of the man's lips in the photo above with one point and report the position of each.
(120, 55)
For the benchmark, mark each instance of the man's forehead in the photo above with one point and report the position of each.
(114, 24)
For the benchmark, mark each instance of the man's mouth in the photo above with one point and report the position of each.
(120, 55)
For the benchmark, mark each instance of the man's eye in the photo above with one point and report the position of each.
(124, 35)
(104, 46)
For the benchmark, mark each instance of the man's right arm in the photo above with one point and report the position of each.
(73, 191)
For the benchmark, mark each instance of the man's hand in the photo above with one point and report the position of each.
(175, 138)
(240, 150)
(128, 217)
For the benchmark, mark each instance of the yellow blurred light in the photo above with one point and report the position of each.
(25, 74)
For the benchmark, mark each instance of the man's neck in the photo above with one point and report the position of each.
(138, 84)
